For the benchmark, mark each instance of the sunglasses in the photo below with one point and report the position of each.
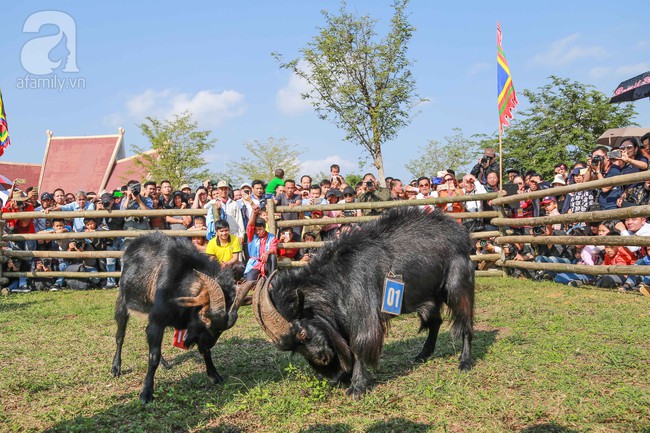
(348, 195)
(423, 184)
(628, 147)
(449, 180)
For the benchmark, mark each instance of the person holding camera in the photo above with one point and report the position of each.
(632, 158)
(133, 200)
(372, 192)
(601, 167)
(43, 284)
(19, 203)
(486, 163)
(78, 265)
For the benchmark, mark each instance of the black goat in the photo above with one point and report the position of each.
(330, 310)
(168, 279)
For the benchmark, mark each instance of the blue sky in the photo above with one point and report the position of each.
(157, 58)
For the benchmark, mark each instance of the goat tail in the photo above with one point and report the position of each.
(460, 297)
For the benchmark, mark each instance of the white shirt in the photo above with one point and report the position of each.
(643, 231)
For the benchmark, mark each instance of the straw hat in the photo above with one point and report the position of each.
(18, 196)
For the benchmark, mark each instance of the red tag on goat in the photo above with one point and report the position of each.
(179, 338)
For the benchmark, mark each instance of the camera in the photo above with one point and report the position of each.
(596, 159)
(483, 243)
(79, 244)
(538, 230)
(614, 154)
(485, 160)
(263, 203)
(135, 188)
(370, 184)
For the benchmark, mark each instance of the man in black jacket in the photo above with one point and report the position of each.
(486, 163)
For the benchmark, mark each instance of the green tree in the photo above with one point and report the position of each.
(458, 152)
(263, 159)
(362, 85)
(352, 179)
(562, 124)
(179, 148)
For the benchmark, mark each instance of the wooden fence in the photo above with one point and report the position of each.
(498, 218)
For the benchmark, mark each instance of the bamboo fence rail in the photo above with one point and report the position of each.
(498, 218)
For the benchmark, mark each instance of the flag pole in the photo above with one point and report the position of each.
(500, 162)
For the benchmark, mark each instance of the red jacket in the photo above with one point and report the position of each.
(23, 226)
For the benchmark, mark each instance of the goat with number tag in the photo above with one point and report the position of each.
(330, 311)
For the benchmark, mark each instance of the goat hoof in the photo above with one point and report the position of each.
(146, 397)
(217, 379)
(465, 365)
(356, 392)
(420, 359)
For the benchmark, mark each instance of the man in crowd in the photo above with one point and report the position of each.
(18, 203)
(81, 203)
(372, 192)
(262, 248)
(165, 197)
(226, 248)
(486, 163)
(107, 202)
(149, 188)
(289, 198)
(601, 167)
(229, 210)
(396, 189)
(133, 200)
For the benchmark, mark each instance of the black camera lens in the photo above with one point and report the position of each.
(483, 243)
(370, 184)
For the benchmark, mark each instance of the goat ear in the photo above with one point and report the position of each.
(340, 346)
(299, 304)
(200, 300)
(302, 335)
(203, 316)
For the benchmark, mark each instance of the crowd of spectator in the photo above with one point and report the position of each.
(236, 231)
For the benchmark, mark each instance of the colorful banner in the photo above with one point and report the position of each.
(505, 90)
(4, 129)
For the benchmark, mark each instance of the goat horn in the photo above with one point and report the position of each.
(266, 314)
(240, 294)
(217, 299)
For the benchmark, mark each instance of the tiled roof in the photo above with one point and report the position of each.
(125, 170)
(80, 163)
(15, 170)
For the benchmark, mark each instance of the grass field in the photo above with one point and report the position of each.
(548, 358)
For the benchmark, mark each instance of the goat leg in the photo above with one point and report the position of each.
(210, 369)
(154, 338)
(359, 384)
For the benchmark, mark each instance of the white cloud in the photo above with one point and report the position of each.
(622, 72)
(566, 51)
(209, 109)
(632, 70)
(313, 166)
(477, 68)
(289, 99)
